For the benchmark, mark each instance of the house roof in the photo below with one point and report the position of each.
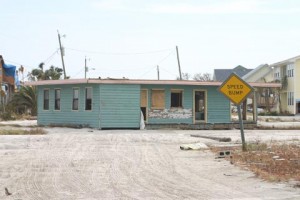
(139, 82)
(223, 74)
(293, 59)
(246, 76)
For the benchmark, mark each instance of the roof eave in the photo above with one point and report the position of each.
(140, 82)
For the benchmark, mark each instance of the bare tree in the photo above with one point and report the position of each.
(185, 76)
(202, 77)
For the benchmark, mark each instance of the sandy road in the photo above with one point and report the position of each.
(127, 164)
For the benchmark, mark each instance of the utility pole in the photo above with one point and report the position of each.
(180, 76)
(86, 68)
(157, 72)
(62, 55)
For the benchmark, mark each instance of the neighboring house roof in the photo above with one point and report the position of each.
(9, 74)
(293, 59)
(223, 74)
(264, 69)
(140, 82)
(256, 72)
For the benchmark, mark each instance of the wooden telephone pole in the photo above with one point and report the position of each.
(62, 55)
(157, 72)
(180, 75)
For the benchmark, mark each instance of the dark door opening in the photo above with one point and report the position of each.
(144, 111)
(199, 106)
(144, 103)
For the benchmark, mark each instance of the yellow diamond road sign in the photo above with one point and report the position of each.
(235, 89)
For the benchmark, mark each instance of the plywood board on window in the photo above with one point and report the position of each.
(144, 98)
(158, 99)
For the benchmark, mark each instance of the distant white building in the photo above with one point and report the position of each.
(287, 72)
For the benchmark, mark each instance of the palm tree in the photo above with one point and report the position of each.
(26, 98)
(53, 73)
(38, 73)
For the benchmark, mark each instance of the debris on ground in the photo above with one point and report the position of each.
(220, 139)
(272, 162)
(7, 193)
(224, 154)
(196, 146)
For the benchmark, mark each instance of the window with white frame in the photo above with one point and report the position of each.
(290, 98)
(290, 70)
(88, 98)
(57, 99)
(46, 99)
(75, 102)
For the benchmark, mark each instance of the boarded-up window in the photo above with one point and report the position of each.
(158, 99)
(144, 98)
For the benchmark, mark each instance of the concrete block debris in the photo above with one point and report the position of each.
(223, 154)
(196, 146)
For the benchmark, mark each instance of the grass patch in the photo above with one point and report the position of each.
(274, 162)
(34, 131)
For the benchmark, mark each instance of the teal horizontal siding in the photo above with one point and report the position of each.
(119, 106)
(218, 106)
(66, 116)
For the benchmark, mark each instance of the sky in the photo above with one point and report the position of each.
(130, 38)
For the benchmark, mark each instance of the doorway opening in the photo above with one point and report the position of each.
(199, 106)
(144, 103)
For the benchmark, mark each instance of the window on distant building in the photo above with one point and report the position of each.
(57, 99)
(290, 70)
(176, 98)
(290, 98)
(46, 99)
(88, 98)
(158, 99)
(277, 75)
(75, 99)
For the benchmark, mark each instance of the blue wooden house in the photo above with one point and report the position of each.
(122, 103)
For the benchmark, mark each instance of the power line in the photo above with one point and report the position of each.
(119, 53)
(17, 63)
(168, 71)
(78, 72)
(122, 69)
(147, 71)
(13, 62)
(159, 62)
(50, 57)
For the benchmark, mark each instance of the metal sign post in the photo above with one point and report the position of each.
(237, 90)
(244, 145)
